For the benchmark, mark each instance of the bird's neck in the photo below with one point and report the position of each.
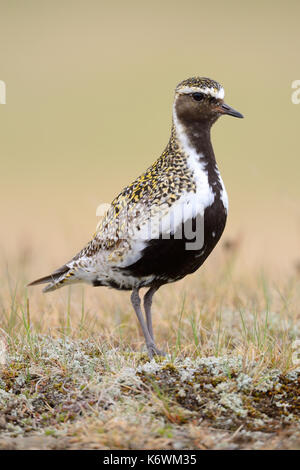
(192, 140)
(193, 137)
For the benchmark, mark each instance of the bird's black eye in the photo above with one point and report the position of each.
(198, 96)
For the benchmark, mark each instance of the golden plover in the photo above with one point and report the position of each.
(164, 225)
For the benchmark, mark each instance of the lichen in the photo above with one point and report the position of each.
(66, 380)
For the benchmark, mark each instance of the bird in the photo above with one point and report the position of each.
(164, 225)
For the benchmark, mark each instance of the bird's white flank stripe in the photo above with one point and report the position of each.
(224, 196)
(204, 196)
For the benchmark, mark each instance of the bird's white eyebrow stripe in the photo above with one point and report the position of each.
(207, 90)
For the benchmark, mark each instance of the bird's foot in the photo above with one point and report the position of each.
(154, 351)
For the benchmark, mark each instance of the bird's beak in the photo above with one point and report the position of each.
(226, 109)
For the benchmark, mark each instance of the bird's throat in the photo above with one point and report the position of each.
(194, 136)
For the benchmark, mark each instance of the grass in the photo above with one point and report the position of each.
(75, 374)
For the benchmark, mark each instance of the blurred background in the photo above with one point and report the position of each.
(90, 87)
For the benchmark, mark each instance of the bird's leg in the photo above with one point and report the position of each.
(147, 306)
(136, 303)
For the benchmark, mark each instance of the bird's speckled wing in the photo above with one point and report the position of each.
(126, 227)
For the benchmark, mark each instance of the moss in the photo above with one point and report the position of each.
(69, 382)
(229, 400)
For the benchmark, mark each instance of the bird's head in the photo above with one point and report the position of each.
(201, 99)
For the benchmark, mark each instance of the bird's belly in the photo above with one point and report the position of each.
(167, 260)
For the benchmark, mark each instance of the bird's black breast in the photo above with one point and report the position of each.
(172, 259)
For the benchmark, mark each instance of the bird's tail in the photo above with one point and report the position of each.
(55, 280)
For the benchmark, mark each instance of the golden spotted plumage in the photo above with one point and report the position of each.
(160, 185)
